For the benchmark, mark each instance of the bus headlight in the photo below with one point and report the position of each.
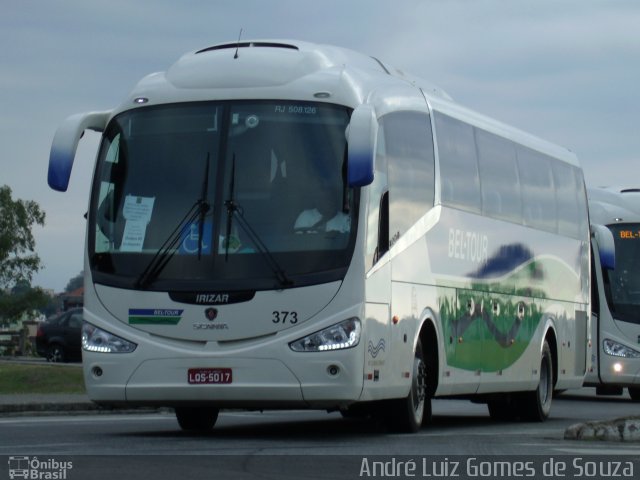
(95, 339)
(342, 335)
(618, 350)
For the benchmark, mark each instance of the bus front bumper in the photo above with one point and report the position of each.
(313, 382)
(620, 371)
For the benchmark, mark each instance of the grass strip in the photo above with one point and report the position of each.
(25, 379)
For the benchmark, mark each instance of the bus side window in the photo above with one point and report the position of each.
(569, 215)
(582, 202)
(377, 189)
(383, 228)
(499, 180)
(458, 164)
(411, 165)
(538, 194)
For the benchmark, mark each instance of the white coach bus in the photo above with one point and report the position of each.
(277, 224)
(615, 287)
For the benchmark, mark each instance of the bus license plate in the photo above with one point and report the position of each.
(206, 376)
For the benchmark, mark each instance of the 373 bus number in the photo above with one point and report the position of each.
(284, 317)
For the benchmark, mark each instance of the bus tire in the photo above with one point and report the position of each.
(406, 415)
(197, 419)
(535, 406)
(634, 393)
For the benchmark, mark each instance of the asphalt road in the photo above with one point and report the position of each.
(295, 444)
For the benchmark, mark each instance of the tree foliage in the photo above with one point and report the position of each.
(18, 260)
(75, 282)
(22, 299)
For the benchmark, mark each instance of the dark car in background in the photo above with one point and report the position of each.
(59, 338)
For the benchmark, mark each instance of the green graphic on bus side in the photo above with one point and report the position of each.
(487, 326)
(486, 332)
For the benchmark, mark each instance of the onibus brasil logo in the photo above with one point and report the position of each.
(38, 469)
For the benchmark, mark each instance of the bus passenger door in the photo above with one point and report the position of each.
(377, 350)
(376, 330)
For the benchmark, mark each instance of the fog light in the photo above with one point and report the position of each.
(333, 370)
(617, 367)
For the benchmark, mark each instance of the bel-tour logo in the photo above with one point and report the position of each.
(155, 316)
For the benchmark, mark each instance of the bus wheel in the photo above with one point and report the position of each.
(407, 414)
(634, 393)
(197, 419)
(536, 405)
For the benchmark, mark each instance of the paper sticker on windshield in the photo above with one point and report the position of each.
(190, 239)
(137, 212)
(138, 209)
(133, 237)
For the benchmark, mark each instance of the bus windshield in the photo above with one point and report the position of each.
(624, 281)
(223, 195)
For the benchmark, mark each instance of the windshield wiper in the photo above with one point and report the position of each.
(204, 206)
(231, 207)
(168, 249)
(235, 211)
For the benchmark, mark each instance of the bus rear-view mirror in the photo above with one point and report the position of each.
(606, 246)
(65, 143)
(361, 140)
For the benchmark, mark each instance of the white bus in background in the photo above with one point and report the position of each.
(278, 224)
(615, 324)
